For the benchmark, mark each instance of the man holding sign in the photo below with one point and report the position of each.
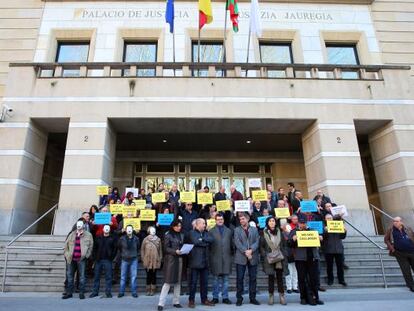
(305, 244)
(333, 248)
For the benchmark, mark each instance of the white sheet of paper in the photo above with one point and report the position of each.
(186, 249)
(336, 210)
(242, 206)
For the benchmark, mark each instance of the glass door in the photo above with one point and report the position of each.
(240, 183)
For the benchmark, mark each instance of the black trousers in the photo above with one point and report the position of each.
(151, 276)
(308, 279)
(279, 279)
(240, 271)
(406, 262)
(339, 261)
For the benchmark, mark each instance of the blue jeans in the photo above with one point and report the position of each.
(131, 268)
(106, 265)
(240, 271)
(221, 284)
(70, 273)
(203, 284)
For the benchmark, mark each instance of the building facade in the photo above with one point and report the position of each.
(101, 93)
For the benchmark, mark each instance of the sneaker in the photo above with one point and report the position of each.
(177, 305)
(289, 291)
(254, 302)
(120, 295)
(135, 295)
(81, 296)
(239, 302)
(67, 296)
(93, 295)
(108, 295)
(160, 308)
(227, 301)
(215, 300)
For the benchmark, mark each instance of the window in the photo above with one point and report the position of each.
(343, 55)
(277, 53)
(203, 168)
(140, 52)
(210, 52)
(160, 168)
(72, 52)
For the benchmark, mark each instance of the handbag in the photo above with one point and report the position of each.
(276, 254)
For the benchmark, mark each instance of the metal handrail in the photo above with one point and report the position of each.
(381, 248)
(8, 246)
(381, 211)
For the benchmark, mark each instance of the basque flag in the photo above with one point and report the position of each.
(169, 14)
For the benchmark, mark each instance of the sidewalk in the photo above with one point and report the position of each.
(336, 299)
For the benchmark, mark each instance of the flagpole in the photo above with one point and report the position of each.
(225, 32)
(174, 49)
(248, 46)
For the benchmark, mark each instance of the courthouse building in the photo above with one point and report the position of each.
(96, 93)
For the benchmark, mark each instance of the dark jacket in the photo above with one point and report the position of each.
(265, 249)
(220, 196)
(129, 253)
(187, 219)
(221, 251)
(174, 200)
(300, 253)
(389, 239)
(243, 243)
(105, 248)
(199, 255)
(332, 243)
(173, 241)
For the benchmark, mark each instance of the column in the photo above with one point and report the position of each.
(392, 151)
(89, 162)
(22, 154)
(333, 164)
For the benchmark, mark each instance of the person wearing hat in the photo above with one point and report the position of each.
(307, 263)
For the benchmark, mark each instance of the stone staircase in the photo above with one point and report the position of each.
(44, 270)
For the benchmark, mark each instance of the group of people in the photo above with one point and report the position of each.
(236, 239)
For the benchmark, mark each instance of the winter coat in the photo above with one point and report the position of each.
(332, 243)
(221, 251)
(173, 241)
(105, 248)
(151, 252)
(199, 255)
(300, 253)
(242, 243)
(265, 249)
(129, 253)
(86, 242)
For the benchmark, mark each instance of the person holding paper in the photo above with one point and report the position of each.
(246, 241)
(272, 246)
(307, 266)
(333, 249)
(199, 262)
(98, 229)
(221, 258)
(173, 264)
(151, 255)
(129, 198)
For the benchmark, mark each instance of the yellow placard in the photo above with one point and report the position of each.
(140, 204)
(134, 222)
(147, 215)
(211, 223)
(158, 197)
(102, 190)
(259, 195)
(308, 239)
(116, 209)
(282, 212)
(204, 198)
(335, 226)
(223, 205)
(187, 197)
(127, 209)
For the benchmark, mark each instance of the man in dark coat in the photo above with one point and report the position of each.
(198, 262)
(221, 258)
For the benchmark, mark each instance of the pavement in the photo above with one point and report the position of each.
(364, 299)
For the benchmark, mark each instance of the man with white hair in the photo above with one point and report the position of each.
(400, 243)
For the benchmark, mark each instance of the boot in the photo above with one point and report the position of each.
(282, 299)
(148, 290)
(271, 299)
(153, 289)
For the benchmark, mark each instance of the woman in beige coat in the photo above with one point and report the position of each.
(151, 255)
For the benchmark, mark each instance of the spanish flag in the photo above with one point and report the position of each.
(205, 13)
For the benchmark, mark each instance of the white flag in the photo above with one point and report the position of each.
(255, 24)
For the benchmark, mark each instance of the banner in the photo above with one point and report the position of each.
(262, 221)
(102, 218)
(140, 204)
(102, 190)
(242, 206)
(165, 219)
(116, 209)
(187, 197)
(308, 239)
(316, 225)
(259, 195)
(308, 206)
(335, 226)
(204, 198)
(147, 215)
(158, 197)
(134, 222)
(128, 209)
(282, 212)
(223, 205)
(133, 190)
(338, 210)
(211, 223)
(255, 183)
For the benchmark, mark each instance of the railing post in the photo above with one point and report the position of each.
(289, 72)
(211, 71)
(314, 73)
(58, 72)
(383, 270)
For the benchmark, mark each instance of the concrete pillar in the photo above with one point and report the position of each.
(290, 170)
(22, 154)
(89, 162)
(333, 164)
(392, 151)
